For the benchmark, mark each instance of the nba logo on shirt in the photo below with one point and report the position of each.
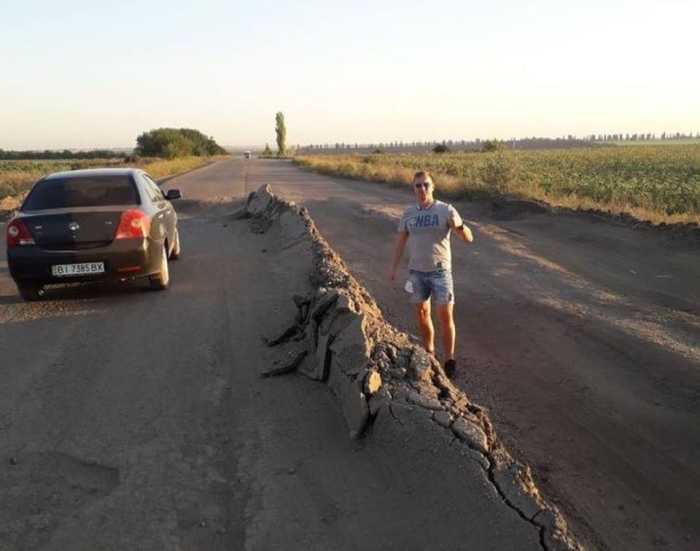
(426, 221)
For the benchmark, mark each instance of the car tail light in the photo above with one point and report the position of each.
(18, 234)
(133, 224)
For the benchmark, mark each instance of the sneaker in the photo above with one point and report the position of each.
(450, 368)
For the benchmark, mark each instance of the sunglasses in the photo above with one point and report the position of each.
(426, 185)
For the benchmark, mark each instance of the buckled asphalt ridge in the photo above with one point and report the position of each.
(340, 337)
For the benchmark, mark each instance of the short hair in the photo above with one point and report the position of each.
(425, 175)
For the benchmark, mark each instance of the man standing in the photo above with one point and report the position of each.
(427, 226)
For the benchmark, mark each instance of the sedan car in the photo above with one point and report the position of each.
(87, 225)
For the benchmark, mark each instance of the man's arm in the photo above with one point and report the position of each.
(464, 233)
(457, 225)
(401, 239)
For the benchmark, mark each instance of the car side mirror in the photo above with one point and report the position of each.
(173, 194)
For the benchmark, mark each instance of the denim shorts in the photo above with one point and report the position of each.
(437, 285)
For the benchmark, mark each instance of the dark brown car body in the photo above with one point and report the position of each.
(81, 233)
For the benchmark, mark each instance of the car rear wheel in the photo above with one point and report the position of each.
(30, 291)
(177, 250)
(161, 280)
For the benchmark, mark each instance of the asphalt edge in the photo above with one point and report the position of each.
(166, 179)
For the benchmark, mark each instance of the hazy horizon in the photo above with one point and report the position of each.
(331, 143)
(82, 75)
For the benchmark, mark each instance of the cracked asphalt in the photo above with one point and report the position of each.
(138, 420)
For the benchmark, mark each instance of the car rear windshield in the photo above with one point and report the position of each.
(83, 191)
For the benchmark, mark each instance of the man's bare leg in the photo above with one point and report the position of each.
(445, 313)
(425, 325)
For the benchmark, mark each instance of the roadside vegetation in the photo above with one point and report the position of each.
(671, 142)
(17, 177)
(658, 184)
(161, 152)
(49, 154)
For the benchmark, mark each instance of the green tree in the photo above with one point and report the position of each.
(281, 131)
(267, 151)
(178, 146)
(176, 142)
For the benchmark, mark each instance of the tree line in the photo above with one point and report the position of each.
(65, 154)
(445, 146)
(641, 137)
(160, 142)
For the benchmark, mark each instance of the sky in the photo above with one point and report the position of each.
(77, 74)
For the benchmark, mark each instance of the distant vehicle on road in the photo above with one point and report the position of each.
(95, 224)
(248, 154)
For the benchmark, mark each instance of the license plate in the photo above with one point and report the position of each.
(84, 268)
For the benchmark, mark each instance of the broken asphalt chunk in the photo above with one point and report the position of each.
(351, 347)
(470, 434)
(373, 382)
(423, 401)
(287, 365)
(443, 418)
(283, 336)
(317, 367)
(352, 400)
(515, 483)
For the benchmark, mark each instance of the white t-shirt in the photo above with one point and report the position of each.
(429, 235)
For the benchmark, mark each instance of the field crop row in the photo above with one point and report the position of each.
(653, 183)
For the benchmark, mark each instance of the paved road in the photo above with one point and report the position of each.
(135, 417)
(581, 336)
(131, 419)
